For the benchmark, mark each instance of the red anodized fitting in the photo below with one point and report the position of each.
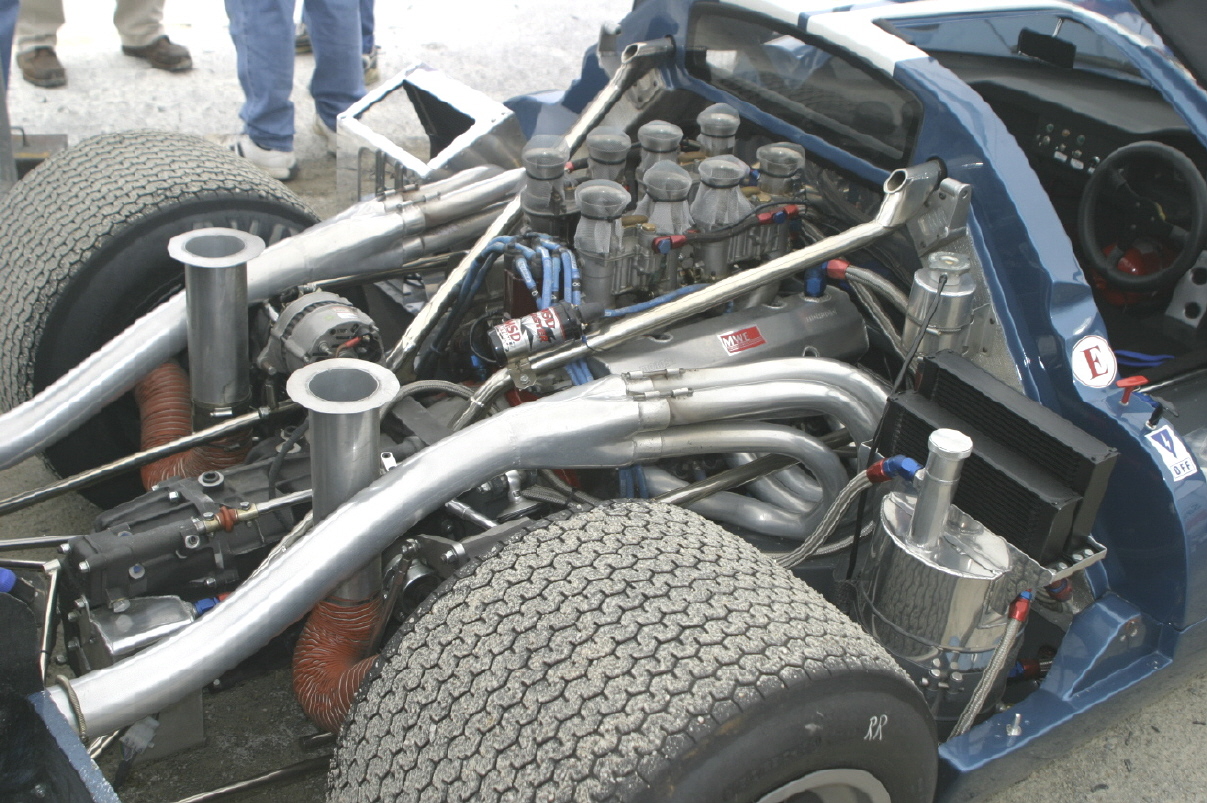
(1020, 607)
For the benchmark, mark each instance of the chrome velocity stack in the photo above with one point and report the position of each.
(215, 279)
(345, 399)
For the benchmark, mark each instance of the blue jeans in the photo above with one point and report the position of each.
(262, 31)
(366, 26)
(8, 21)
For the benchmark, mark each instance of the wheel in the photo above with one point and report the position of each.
(636, 652)
(83, 245)
(1145, 196)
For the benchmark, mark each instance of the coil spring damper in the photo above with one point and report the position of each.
(172, 404)
(345, 399)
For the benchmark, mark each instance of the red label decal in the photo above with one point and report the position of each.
(742, 339)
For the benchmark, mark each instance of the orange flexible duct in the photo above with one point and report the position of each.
(166, 413)
(329, 662)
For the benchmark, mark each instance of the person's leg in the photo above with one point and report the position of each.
(367, 42)
(8, 23)
(338, 79)
(262, 31)
(38, 24)
(139, 22)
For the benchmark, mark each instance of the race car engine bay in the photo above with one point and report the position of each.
(668, 304)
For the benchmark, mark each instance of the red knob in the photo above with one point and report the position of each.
(1130, 383)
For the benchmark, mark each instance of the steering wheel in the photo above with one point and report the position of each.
(1149, 192)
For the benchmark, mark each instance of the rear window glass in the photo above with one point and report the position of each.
(819, 90)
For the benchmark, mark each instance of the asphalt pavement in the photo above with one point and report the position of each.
(503, 49)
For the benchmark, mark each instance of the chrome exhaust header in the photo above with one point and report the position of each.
(608, 423)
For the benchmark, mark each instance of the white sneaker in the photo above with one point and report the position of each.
(281, 165)
(327, 135)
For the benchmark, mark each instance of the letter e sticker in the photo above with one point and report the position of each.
(1173, 452)
(1094, 362)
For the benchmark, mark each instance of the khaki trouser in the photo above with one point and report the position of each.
(139, 22)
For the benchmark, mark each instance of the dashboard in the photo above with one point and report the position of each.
(1069, 122)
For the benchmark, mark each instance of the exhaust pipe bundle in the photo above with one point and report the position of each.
(608, 423)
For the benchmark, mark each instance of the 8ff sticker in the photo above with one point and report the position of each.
(1173, 452)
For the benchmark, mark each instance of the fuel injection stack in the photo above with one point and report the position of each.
(647, 221)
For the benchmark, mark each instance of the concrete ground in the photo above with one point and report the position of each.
(502, 48)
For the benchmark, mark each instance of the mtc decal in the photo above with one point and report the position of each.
(742, 339)
(1093, 362)
(1173, 452)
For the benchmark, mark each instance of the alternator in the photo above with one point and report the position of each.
(315, 327)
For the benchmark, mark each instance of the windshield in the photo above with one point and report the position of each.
(1023, 36)
(812, 86)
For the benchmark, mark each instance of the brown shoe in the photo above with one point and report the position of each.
(163, 54)
(41, 67)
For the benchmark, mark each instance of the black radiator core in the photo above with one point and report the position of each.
(1033, 478)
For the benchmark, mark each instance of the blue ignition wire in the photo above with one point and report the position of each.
(521, 265)
(480, 276)
(548, 278)
(567, 280)
(653, 302)
(555, 275)
(470, 282)
(576, 282)
(470, 285)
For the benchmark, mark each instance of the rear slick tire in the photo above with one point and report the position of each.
(633, 653)
(83, 249)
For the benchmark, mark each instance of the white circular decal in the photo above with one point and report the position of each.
(1094, 362)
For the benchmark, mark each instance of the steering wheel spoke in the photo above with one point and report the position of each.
(1178, 236)
(1118, 192)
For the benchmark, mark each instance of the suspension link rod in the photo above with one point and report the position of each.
(139, 459)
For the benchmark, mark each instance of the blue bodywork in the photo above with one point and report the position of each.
(1146, 627)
